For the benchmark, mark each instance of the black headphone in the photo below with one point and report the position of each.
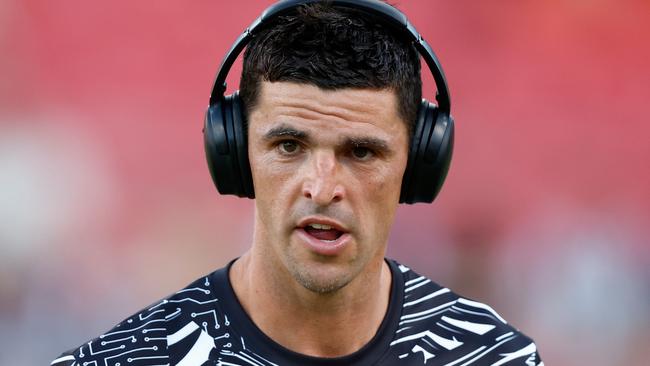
(225, 135)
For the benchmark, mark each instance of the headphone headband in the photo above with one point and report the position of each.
(392, 17)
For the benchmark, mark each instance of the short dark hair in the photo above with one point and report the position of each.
(333, 48)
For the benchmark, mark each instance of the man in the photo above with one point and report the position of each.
(330, 94)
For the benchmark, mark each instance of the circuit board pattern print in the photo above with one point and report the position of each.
(183, 330)
(190, 328)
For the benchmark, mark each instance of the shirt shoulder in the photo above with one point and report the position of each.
(436, 323)
(156, 335)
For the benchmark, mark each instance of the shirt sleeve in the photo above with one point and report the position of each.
(138, 340)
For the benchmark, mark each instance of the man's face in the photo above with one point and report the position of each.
(327, 170)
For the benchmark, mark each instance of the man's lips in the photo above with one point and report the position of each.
(323, 235)
(322, 228)
(319, 220)
(323, 247)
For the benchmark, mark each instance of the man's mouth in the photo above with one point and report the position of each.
(323, 232)
(324, 236)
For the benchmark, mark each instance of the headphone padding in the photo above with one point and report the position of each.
(240, 143)
(221, 151)
(414, 146)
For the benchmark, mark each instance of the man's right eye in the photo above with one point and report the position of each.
(288, 147)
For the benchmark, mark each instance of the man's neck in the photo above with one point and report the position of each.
(322, 325)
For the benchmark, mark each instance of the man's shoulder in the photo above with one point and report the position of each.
(157, 334)
(437, 322)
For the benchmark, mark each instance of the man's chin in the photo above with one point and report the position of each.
(321, 278)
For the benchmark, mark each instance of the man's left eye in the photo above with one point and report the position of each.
(288, 147)
(361, 153)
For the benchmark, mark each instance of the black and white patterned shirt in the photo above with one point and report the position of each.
(204, 324)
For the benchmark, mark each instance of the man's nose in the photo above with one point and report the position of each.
(322, 182)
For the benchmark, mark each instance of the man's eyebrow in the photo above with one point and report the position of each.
(285, 131)
(374, 143)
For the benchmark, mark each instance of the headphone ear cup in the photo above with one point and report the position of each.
(226, 147)
(429, 155)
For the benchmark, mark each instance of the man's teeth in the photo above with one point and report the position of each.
(320, 227)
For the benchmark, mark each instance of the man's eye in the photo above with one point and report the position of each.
(288, 147)
(361, 153)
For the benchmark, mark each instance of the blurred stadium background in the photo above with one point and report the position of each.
(106, 203)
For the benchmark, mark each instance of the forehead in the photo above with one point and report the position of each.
(350, 110)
